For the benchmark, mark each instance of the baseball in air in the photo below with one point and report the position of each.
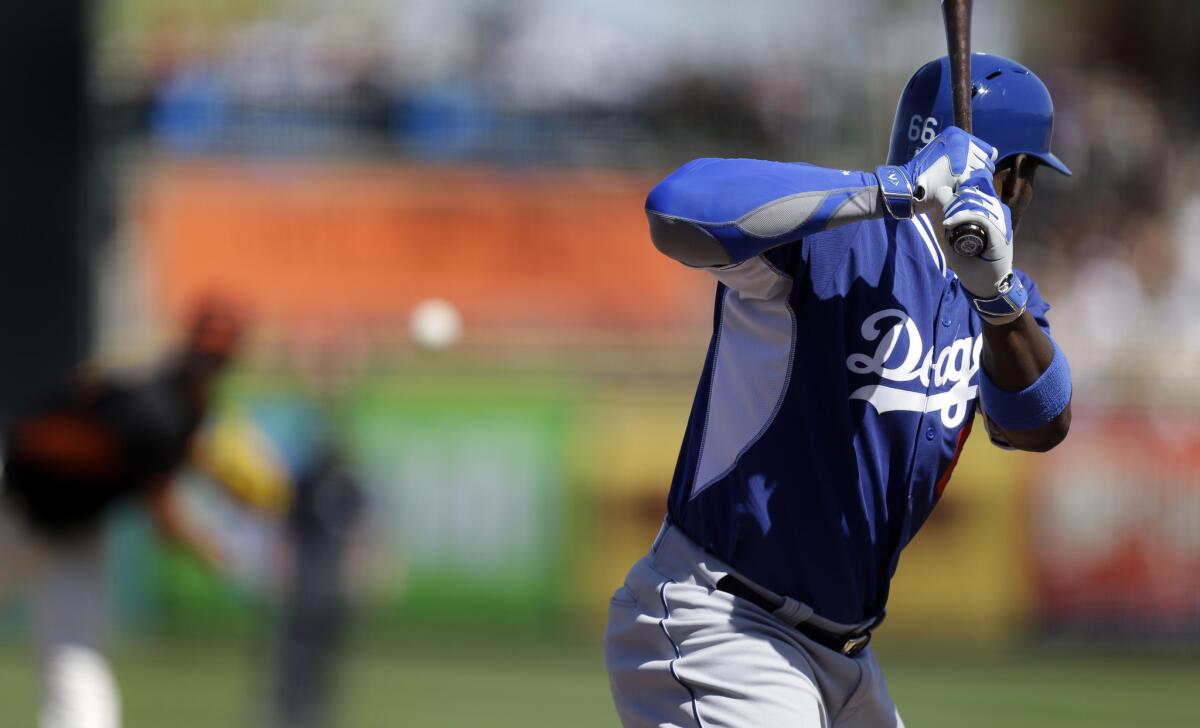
(435, 324)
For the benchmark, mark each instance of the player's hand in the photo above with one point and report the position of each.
(999, 295)
(938, 169)
(947, 162)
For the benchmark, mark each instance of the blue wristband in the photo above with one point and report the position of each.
(1008, 305)
(897, 191)
(1036, 405)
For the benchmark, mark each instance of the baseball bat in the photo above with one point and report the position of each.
(967, 239)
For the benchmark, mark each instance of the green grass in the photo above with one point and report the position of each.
(213, 685)
(219, 686)
(1047, 688)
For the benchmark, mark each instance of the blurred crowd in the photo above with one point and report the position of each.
(1118, 244)
(532, 82)
(618, 86)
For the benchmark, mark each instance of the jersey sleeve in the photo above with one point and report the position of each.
(770, 275)
(722, 212)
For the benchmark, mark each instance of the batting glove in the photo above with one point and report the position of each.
(942, 165)
(998, 295)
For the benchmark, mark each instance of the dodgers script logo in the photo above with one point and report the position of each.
(955, 365)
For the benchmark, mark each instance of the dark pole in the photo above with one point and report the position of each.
(44, 275)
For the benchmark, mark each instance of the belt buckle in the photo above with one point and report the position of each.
(855, 645)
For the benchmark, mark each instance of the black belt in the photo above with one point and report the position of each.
(849, 644)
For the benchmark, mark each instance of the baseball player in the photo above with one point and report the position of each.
(326, 508)
(66, 464)
(851, 349)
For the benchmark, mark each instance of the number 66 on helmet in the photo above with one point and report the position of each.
(1010, 108)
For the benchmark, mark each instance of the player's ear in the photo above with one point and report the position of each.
(1027, 169)
(1007, 175)
(1016, 189)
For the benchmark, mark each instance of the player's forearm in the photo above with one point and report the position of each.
(720, 211)
(1016, 354)
(1029, 385)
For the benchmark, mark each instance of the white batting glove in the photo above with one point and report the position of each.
(939, 168)
(999, 296)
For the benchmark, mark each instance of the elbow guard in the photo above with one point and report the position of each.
(685, 241)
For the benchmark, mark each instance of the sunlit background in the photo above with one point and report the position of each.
(432, 210)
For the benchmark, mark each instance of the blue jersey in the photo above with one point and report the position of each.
(839, 388)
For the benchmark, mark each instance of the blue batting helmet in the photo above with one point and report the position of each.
(1010, 109)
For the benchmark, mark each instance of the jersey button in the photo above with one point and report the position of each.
(930, 433)
(946, 321)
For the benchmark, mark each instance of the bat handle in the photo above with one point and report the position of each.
(968, 240)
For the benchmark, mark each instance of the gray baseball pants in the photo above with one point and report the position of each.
(681, 653)
(64, 586)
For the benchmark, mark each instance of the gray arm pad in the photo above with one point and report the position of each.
(776, 223)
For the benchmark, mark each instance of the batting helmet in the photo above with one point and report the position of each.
(1010, 109)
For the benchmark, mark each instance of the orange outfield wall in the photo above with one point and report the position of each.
(354, 240)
